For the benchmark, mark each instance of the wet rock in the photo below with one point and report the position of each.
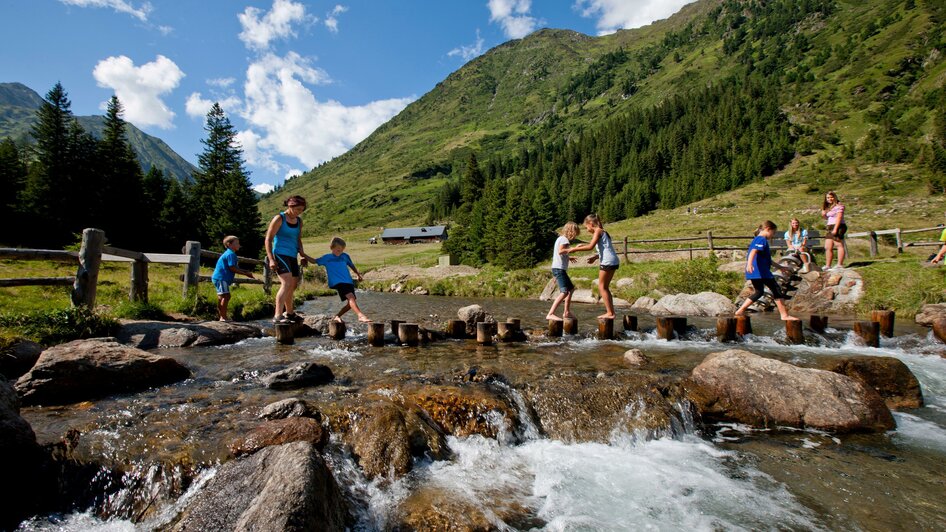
(151, 334)
(420, 291)
(636, 357)
(292, 407)
(890, 377)
(281, 488)
(465, 410)
(380, 441)
(299, 376)
(472, 315)
(575, 407)
(739, 386)
(643, 304)
(88, 369)
(21, 460)
(702, 304)
(18, 358)
(317, 323)
(434, 508)
(280, 431)
(930, 313)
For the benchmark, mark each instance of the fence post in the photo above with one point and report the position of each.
(139, 281)
(267, 278)
(709, 240)
(192, 270)
(899, 241)
(873, 244)
(87, 276)
(625, 249)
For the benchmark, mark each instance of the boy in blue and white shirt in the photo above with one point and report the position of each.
(336, 265)
(225, 272)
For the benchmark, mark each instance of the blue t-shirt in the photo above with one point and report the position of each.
(222, 271)
(762, 262)
(336, 267)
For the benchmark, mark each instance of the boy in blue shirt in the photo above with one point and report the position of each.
(336, 265)
(225, 272)
(759, 271)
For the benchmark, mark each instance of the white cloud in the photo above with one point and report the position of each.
(513, 16)
(223, 83)
(468, 51)
(197, 106)
(165, 30)
(331, 18)
(615, 15)
(122, 6)
(293, 122)
(264, 188)
(140, 88)
(293, 172)
(259, 31)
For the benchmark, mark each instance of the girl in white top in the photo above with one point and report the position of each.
(560, 261)
(609, 260)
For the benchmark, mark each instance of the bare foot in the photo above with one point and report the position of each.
(337, 319)
(740, 313)
(553, 317)
(789, 318)
(568, 315)
(364, 319)
(606, 316)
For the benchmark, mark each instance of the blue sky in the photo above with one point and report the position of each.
(302, 81)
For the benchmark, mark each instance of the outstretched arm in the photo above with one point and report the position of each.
(271, 231)
(590, 245)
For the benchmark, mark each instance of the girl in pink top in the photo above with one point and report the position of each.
(833, 211)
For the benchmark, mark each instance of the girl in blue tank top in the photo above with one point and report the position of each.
(609, 264)
(283, 247)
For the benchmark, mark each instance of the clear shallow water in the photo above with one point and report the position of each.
(729, 478)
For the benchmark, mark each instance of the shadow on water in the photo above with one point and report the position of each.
(678, 476)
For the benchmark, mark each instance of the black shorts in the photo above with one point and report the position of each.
(608, 267)
(287, 264)
(344, 289)
(842, 230)
(761, 284)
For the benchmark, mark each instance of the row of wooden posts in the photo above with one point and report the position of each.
(728, 329)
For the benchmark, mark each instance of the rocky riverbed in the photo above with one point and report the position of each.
(548, 434)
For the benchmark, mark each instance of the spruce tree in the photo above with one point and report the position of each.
(472, 183)
(120, 183)
(12, 180)
(222, 188)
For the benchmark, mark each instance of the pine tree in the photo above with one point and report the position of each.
(472, 183)
(120, 183)
(12, 180)
(222, 188)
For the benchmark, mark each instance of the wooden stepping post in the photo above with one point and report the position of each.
(514, 324)
(885, 319)
(726, 328)
(818, 323)
(743, 325)
(630, 323)
(484, 333)
(680, 325)
(555, 328)
(394, 331)
(336, 330)
(869, 331)
(570, 326)
(284, 334)
(504, 331)
(605, 328)
(407, 333)
(939, 329)
(794, 332)
(376, 334)
(665, 328)
(456, 329)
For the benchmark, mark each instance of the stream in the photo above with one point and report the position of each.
(169, 440)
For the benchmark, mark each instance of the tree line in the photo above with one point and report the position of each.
(69, 180)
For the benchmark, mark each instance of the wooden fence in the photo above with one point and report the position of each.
(94, 251)
(712, 244)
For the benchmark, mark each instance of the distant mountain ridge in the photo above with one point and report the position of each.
(18, 104)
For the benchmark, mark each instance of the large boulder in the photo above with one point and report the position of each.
(702, 304)
(550, 291)
(292, 407)
(890, 377)
(472, 315)
(280, 431)
(475, 408)
(381, 441)
(930, 313)
(739, 386)
(151, 334)
(18, 357)
(578, 407)
(440, 508)
(281, 488)
(643, 304)
(88, 369)
(21, 460)
(829, 292)
(299, 376)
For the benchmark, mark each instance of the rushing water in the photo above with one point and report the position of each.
(728, 477)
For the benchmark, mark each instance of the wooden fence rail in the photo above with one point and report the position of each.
(94, 251)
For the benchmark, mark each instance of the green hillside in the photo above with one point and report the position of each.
(18, 104)
(856, 80)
